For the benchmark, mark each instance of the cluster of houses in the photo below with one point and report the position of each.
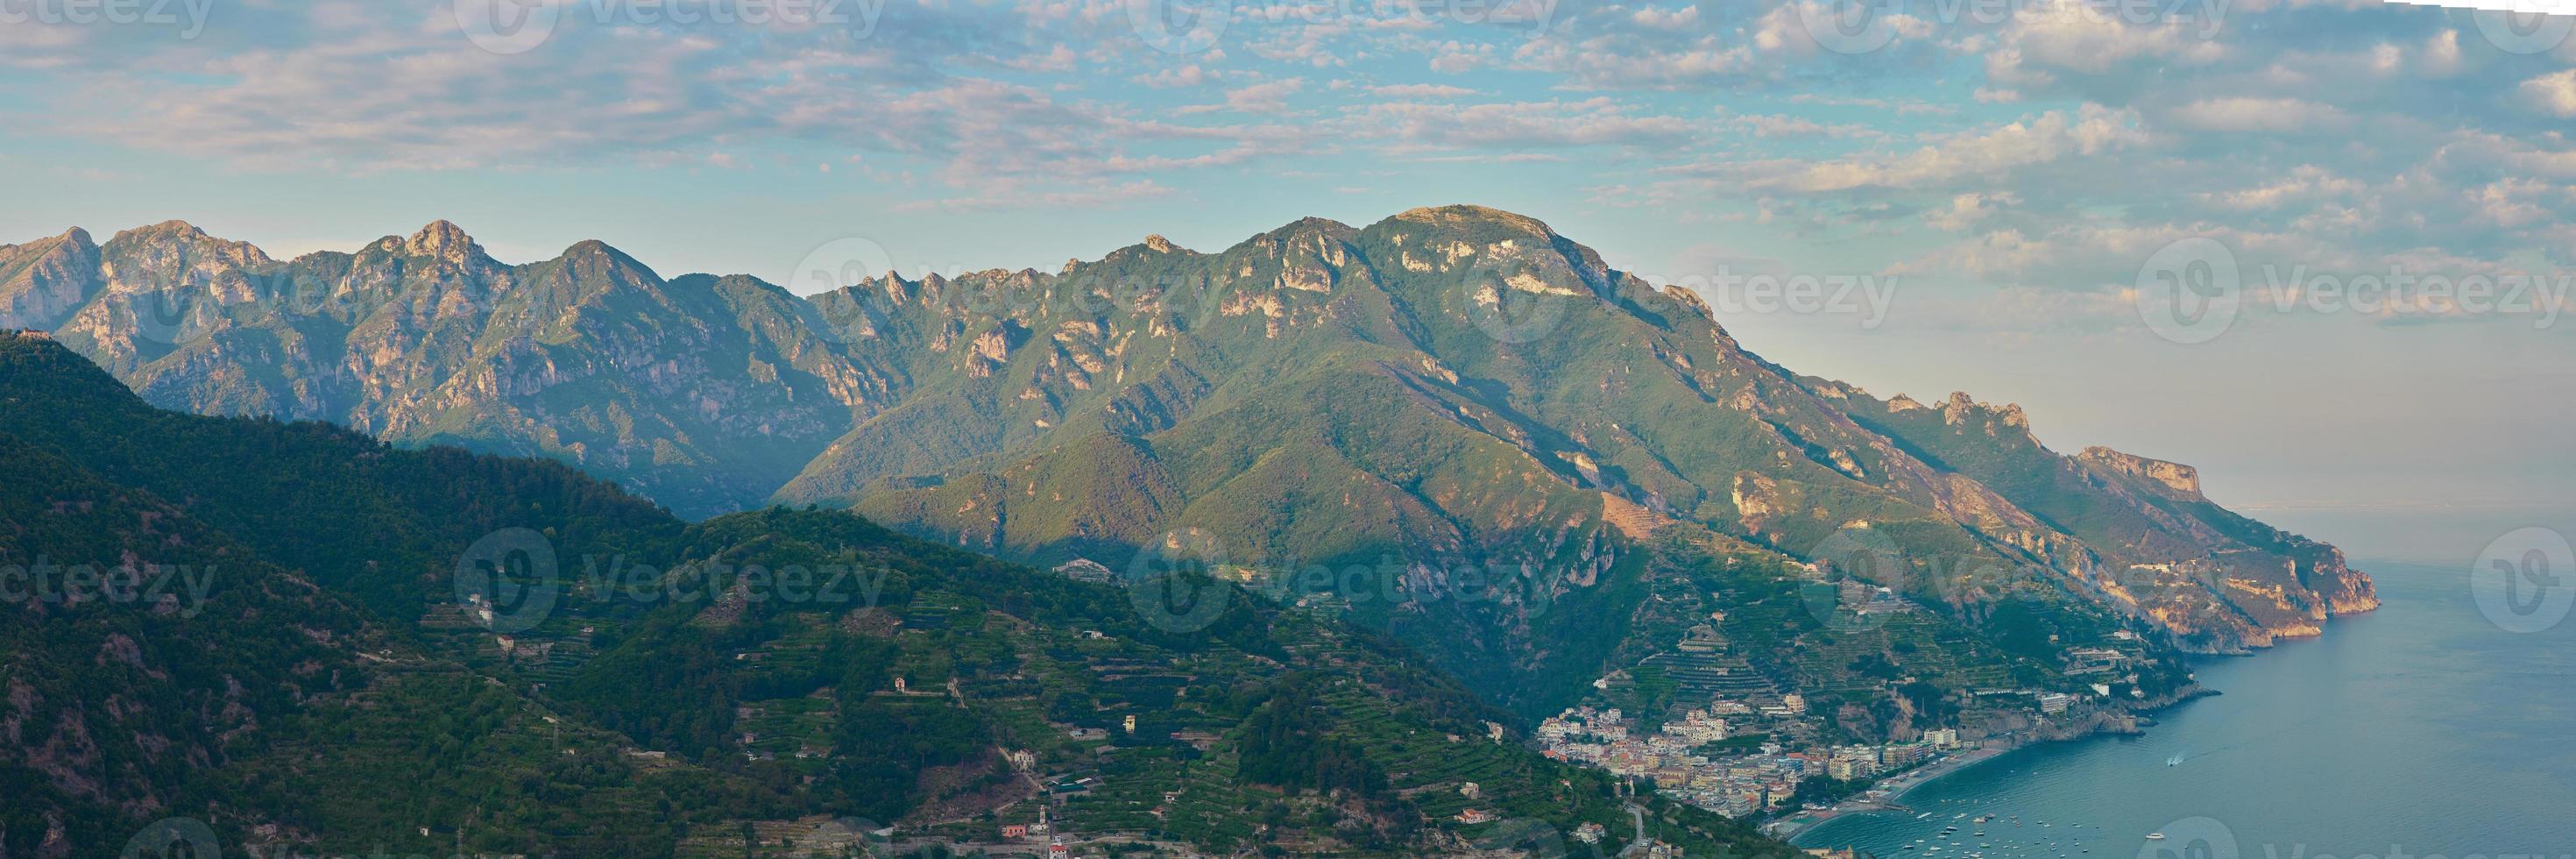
(1734, 780)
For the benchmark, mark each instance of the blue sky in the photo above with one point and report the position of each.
(2008, 170)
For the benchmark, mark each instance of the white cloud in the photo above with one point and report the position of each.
(1265, 97)
(2307, 182)
(2244, 114)
(2078, 37)
(1591, 122)
(1967, 209)
(1782, 125)
(2553, 94)
(1420, 91)
(1992, 152)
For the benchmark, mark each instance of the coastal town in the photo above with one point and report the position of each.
(1730, 740)
(1704, 759)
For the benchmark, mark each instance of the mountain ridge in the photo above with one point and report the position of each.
(1449, 386)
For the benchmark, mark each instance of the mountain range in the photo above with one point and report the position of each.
(1454, 425)
(294, 670)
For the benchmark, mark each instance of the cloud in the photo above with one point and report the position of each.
(2306, 183)
(1422, 91)
(1991, 152)
(1781, 125)
(2079, 37)
(1538, 124)
(2275, 115)
(1969, 208)
(2554, 94)
(1266, 97)
(2344, 125)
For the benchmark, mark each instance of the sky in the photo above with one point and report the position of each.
(2317, 249)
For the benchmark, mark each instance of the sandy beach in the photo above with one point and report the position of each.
(1883, 796)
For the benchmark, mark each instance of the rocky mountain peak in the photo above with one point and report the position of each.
(1960, 407)
(175, 233)
(2173, 475)
(596, 252)
(1460, 215)
(170, 229)
(444, 240)
(166, 233)
(1160, 244)
(74, 241)
(47, 279)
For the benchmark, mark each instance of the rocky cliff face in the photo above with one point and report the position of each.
(2181, 479)
(1474, 418)
(41, 282)
(705, 393)
(2143, 538)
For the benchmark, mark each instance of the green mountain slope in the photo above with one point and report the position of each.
(750, 683)
(1461, 387)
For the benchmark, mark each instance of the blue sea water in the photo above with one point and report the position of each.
(2416, 731)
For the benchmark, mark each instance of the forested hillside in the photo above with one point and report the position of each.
(317, 680)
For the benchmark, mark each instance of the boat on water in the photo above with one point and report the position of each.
(2155, 836)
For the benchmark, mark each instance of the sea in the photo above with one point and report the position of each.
(2423, 730)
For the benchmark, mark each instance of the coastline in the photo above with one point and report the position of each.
(1889, 795)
